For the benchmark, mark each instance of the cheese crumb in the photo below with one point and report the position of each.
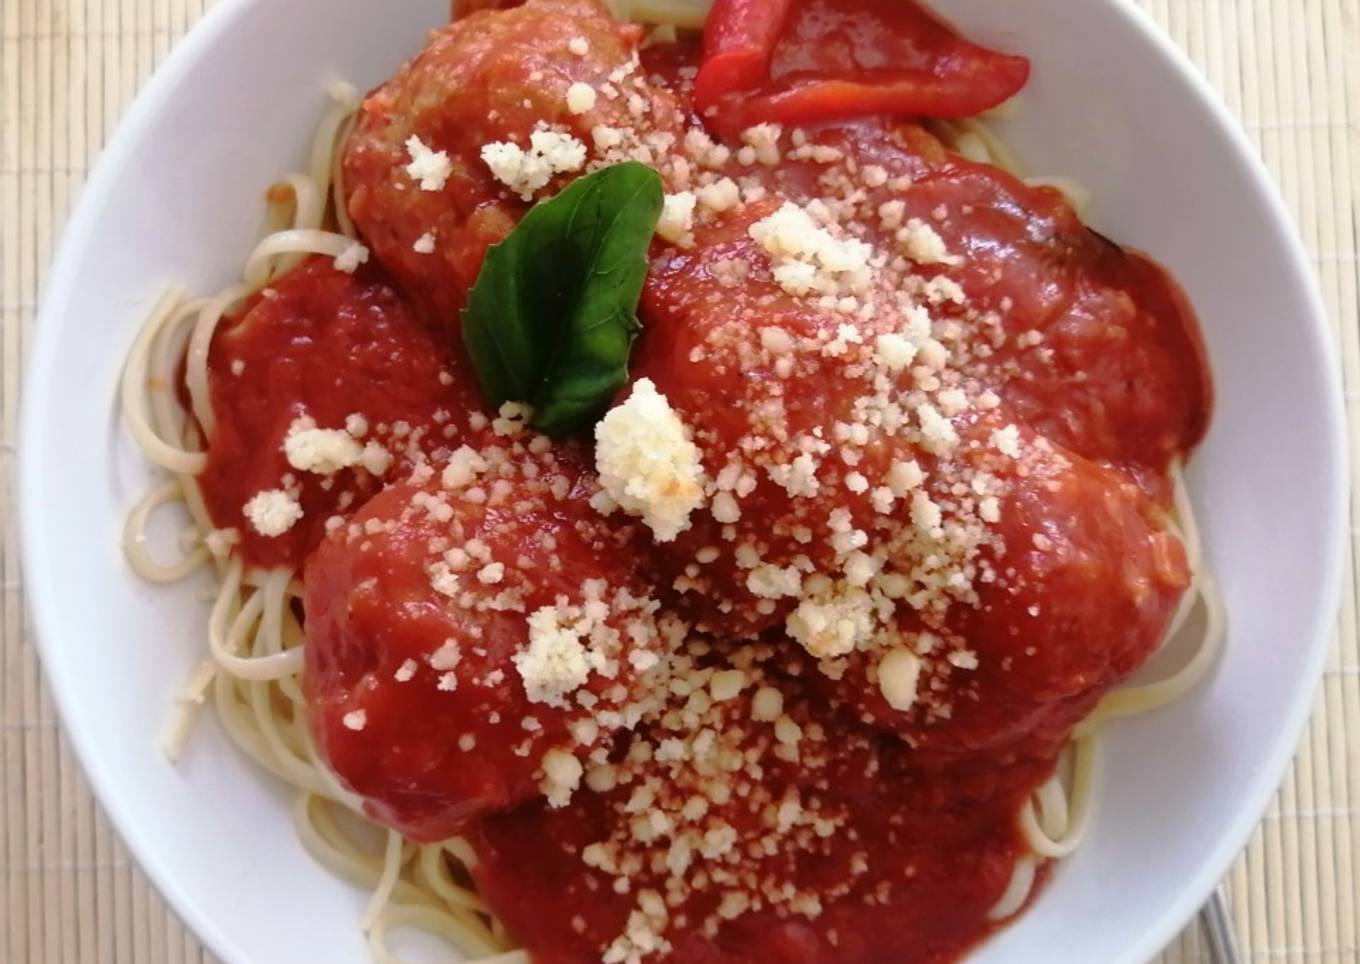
(324, 451)
(376, 459)
(606, 138)
(561, 776)
(905, 476)
(272, 512)
(355, 720)
(511, 419)
(963, 659)
(647, 463)
(1007, 441)
(722, 195)
(463, 467)
(833, 623)
(938, 436)
(925, 514)
(772, 582)
(431, 168)
(923, 244)
(952, 401)
(578, 46)
(424, 244)
(727, 684)
(349, 260)
(447, 656)
(894, 352)
(725, 508)
(807, 258)
(580, 98)
(677, 218)
(763, 139)
(767, 705)
(899, 672)
(555, 662)
(525, 172)
(941, 289)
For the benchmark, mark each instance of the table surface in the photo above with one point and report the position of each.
(1290, 69)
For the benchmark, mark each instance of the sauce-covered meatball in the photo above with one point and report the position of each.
(324, 385)
(474, 634)
(499, 108)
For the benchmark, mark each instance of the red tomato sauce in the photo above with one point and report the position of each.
(425, 761)
(324, 344)
(1115, 370)
(914, 862)
(786, 813)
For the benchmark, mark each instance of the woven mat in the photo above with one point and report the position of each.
(1290, 69)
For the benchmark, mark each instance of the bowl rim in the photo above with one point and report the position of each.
(1270, 773)
(42, 603)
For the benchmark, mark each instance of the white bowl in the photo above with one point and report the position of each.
(177, 197)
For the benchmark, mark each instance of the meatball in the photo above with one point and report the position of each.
(823, 428)
(322, 358)
(493, 77)
(864, 492)
(747, 821)
(1086, 578)
(1089, 343)
(473, 633)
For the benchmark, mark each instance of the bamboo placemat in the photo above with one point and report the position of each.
(1290, 69)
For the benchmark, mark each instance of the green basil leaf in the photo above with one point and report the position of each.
(553, 315)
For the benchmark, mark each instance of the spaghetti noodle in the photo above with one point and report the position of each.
(255, 643)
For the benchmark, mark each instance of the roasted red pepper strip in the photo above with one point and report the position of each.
(739, 39)
(837, 59)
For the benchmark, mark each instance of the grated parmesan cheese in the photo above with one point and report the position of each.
(899, 673)
(677, 218)
(923, 244)
(272, 512)
(324, 451)
(525, 172)
(561, 776)
(894, 352)
(1007, 441)
(580, 98)
(555, 662)
(429, 167)
(937, 435)
(349, 260)
(647, 463)
(763, 140)
(833, 623)
(722, 195)
(807, 258)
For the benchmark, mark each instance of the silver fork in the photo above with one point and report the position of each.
(1217, 922)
